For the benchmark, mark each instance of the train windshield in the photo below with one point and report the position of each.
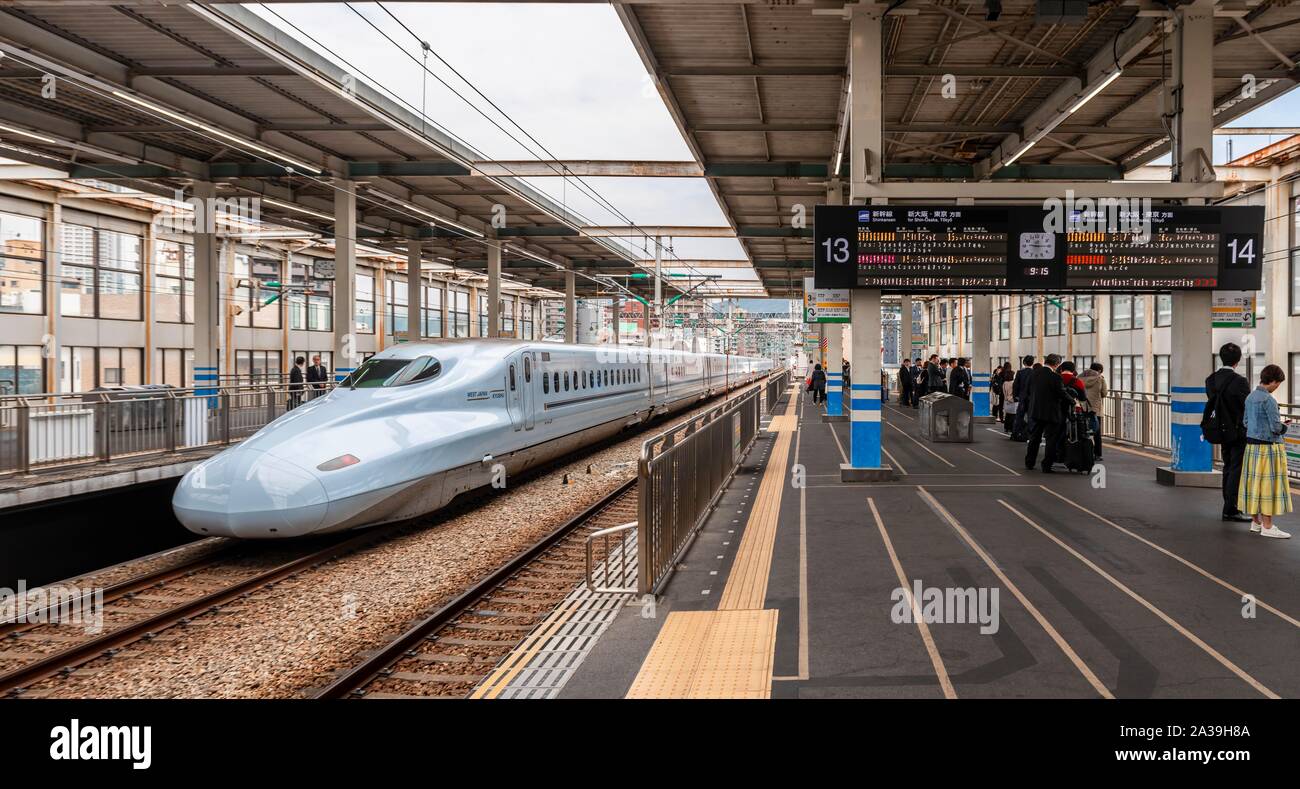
(377, 373)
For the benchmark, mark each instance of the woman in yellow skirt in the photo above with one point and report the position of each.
(1265, 488)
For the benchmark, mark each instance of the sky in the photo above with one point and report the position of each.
(569, 75)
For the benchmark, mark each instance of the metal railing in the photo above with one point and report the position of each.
(1143, 419)
(682, 472)
(615, 573)
(41, 431)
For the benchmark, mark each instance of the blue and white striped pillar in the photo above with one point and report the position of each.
(834, 369)
(864, 427)
(979, 395)
(1191, 340)
(341, 373)
(1190, 451)
(205, 384)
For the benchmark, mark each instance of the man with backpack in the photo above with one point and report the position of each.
(1223, 423)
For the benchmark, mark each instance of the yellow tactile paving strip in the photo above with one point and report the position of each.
(747, 583)
(710, 655)
(728, 653)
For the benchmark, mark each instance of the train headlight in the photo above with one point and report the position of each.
(342, 461)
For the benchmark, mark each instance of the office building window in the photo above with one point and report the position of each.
(82, 369)
(508, 317)
(1293, 378)
(1295, 279)
(526, 320)
(1127, 373)
(173, 282)
(1083, 315)
(311, 300)
(1004, 324)
(364, 304)
(458, 305)
(431, 309)
(262, 366)
(100, 275)
(22, 369)
(1164, 309)
(1028, 317)
(1162, 373)
(395, 320)
(173, 366)
(22, 265)
(259, 305)
(1053, 317)
(1127, 312)
(1084, 362)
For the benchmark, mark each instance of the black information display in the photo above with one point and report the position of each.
(1106, 246)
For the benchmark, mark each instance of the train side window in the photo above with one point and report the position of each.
(512, 378)
(546, 383)
(566, 380)
(556, 382)
(528, 370)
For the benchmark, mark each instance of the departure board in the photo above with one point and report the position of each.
(1084, 247)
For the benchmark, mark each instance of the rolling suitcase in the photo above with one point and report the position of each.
(1079, 453)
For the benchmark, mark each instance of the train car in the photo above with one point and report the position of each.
(420, 423)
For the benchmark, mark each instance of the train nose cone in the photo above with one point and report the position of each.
(245, 492)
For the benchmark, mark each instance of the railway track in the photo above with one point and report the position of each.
(447, 654)
(145, 606)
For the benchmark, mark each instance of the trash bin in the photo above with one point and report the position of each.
(944, 417)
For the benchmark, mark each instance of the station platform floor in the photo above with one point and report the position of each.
(1129, 590)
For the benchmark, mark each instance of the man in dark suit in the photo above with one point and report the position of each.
(317, 375)
(1048, 404)
(921, 383)
(295, 383)
(959, 380)
(905, 383)
(934, 376)
(1020, 393)
(1227, 392)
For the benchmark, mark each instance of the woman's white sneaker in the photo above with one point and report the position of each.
(1273, 531)
(1255, 527)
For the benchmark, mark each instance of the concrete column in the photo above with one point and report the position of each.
(345, 278)
(981, 336)
(207, 304)
(414, 292)
(1191, 339)
(571, 306)
(657, 314)
(1277, 265)
(835, 371)
(53, 297)
(617, 309)
(866, 148)
(864, 435)
(494, 289)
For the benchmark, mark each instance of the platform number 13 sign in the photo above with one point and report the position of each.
(837, 250)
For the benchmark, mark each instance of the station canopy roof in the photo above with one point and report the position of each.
(757, 88)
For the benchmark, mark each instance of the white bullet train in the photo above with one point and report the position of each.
(419, 423)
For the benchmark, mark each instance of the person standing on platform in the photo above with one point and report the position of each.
(317, 375)
(995, 393)
(934, 380)
(921, 382)
(1265, 487)
(295, 383)
(1223, 423)
(1009, 406)
(818, 385)
(1020, 394)
(906, 383)
(959, 379)
(1094, 384)
(1047, 406)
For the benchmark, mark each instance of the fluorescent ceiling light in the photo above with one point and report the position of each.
(298, 208)
(1023, 150)
(435, 218)
(33, 135)
(307, 168)
(1093, 91)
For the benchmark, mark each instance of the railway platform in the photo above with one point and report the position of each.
(1019, 583)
